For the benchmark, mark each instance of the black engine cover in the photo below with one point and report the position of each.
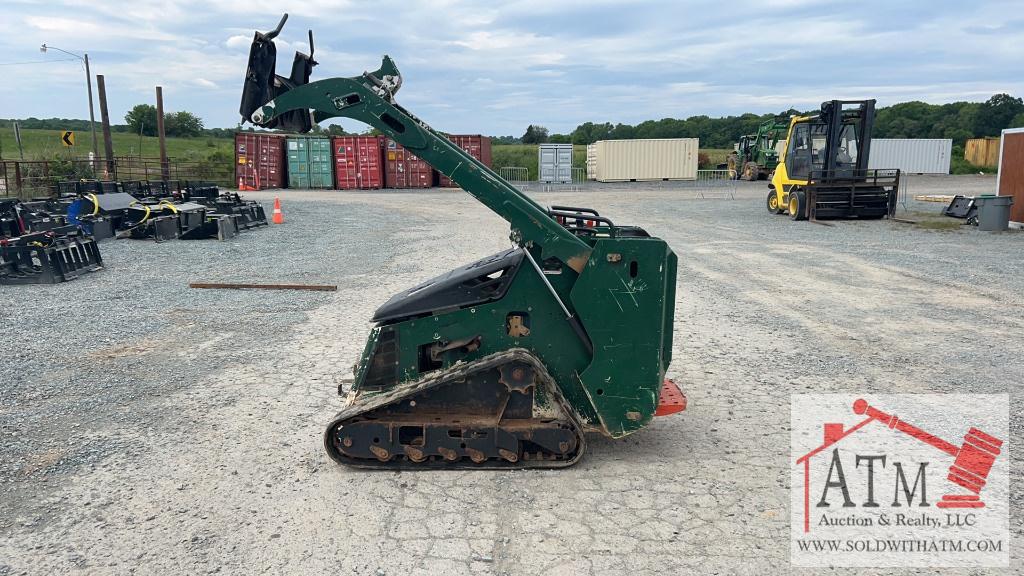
(482, 281)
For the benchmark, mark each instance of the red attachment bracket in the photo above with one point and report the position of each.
(670, 400)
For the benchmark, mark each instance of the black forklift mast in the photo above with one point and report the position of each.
(837, 113)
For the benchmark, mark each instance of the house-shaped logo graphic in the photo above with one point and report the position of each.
(972, 461)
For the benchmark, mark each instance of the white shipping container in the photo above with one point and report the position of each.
(654, 159)
(554, 162)
(911, 155)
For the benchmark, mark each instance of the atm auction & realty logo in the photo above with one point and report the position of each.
(900, 480)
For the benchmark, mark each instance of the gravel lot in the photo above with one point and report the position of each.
(152, 429)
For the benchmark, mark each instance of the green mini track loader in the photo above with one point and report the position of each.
(506, 362)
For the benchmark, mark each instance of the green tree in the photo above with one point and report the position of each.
(182, 123)
(535, 135)
(622, 132)
(142, 117)
(996, 114)
(589, 132)
(1017, 122)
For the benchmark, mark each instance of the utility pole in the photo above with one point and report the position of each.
(17, 136)
(88, 85)
(108, 145)
(164, 168)
(92, 116)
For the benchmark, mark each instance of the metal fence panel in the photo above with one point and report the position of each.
(35, 178)
(714, 184)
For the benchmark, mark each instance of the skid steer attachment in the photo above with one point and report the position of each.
(48, 257)
(509, 360)
(262, 83)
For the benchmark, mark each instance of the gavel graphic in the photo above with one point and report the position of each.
(972, 463)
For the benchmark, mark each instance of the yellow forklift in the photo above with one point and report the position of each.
(823, 171)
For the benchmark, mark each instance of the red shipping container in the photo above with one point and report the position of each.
(403, 169)
(357, 162)
(259, 160)
(478, 146)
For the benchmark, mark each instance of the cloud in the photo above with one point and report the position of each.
(494, 67)
(238, 41)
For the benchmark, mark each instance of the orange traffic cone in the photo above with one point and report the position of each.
(278, 215)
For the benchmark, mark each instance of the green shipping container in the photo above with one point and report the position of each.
(310, 162)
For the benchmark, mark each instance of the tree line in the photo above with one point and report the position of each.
(140, 119)
(958, 121)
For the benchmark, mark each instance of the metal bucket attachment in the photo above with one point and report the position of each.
(219, 226)
(43, 258)
(961, 207)
(263, 84)
(100, 215)
(227, 226)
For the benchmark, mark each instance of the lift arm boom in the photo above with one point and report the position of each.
(370, 99)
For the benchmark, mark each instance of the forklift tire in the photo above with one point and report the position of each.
(773, 202)
(797, 205)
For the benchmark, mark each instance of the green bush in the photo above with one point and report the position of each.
(959, 165)
(62, 170)
(522, 155)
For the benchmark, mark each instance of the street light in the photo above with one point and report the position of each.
(88, 84)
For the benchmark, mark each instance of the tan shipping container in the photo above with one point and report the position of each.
(982, 151)
(638, 160)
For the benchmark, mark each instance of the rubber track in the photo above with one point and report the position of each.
(364, 405)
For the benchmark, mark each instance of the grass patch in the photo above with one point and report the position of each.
(203, 157)
(46, 145)
(932, 220)
(944, 224)
(716, 156)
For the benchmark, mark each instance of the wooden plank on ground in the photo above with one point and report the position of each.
(237, 286)
(934, 198)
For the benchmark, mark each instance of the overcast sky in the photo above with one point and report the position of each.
(494, 67)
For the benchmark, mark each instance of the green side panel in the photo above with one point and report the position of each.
(551, 337)
(622, 300)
